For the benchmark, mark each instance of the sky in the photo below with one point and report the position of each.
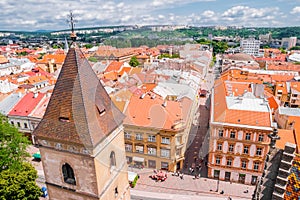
(31, 15)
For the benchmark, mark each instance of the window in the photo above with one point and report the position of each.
(232, 134)
(12, 123)
(151, 138)
(165, 165)
(128, 147)
(152, 163)
(178, 152)
(112, 159)
(253, 180)
(127, 135)
(246, 149)
(219, 147)
(116, 192)
(165, 140)
(216, 174)
(256, 166)
(165, 153)
(261, 137)
(258, 151)
(230, 148)
(244, 164)
(248, 136)
(178, 140)
(218, 160)
(18, 123)
(68, 174)
(128, 159)
(152, 151)
(229, 162)
(139, 136)
(25, 125)
(139, 149)
(221, 132)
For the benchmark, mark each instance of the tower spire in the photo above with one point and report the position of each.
(72, 23)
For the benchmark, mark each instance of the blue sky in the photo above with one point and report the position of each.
(31, 15)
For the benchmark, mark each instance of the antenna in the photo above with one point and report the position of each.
(72, 21)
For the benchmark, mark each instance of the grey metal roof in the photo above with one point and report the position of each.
(9, 102)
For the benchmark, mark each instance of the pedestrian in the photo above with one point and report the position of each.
(181, 176)
(229, 198)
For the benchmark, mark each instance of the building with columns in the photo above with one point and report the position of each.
(81, 137)
(239, 129)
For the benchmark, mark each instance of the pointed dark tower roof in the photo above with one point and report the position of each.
(80, 111)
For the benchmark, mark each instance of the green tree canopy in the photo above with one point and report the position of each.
(20, 184)
(12, 146)
(17, 177)
(134, 62)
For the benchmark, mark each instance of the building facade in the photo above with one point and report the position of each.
(250, 46)
(156, 131)
(240, 125)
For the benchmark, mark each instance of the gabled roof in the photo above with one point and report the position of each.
(80, 111)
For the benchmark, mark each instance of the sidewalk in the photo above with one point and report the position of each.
(142, 195)
(191, 187)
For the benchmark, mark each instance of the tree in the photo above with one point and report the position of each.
(17, 177)
(133, 61)
(19, 184)
(12, 146)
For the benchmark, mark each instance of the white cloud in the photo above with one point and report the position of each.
(52, 14)
(295, 10)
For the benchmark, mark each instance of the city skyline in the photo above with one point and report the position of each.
(52, 14)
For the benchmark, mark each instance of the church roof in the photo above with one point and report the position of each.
(80, 111)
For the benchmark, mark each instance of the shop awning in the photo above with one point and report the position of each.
(138, 159)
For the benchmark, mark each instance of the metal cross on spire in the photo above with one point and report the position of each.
(72, 21)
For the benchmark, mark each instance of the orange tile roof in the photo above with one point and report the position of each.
(114, 66)
(56, 58)
(121, 98)
(148, 112)
(147, 87)
(284, 66)
(36, 79)
(285, 136)
(237, 88)
(123, 70)
(273, 103)
(224, 115)
(135, 70)
(111, 75)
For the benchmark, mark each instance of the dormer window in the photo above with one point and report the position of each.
(64, 119)
(101, 111)
(68, 174)
(112, 159)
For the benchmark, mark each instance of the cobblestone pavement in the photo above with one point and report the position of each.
(189, 186)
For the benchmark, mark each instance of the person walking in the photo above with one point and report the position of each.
(181, 176)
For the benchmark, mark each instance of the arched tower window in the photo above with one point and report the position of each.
(112, 159)
(68, 174)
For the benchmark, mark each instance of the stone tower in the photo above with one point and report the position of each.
(81, 137)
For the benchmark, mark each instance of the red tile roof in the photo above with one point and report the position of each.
(26, 105)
